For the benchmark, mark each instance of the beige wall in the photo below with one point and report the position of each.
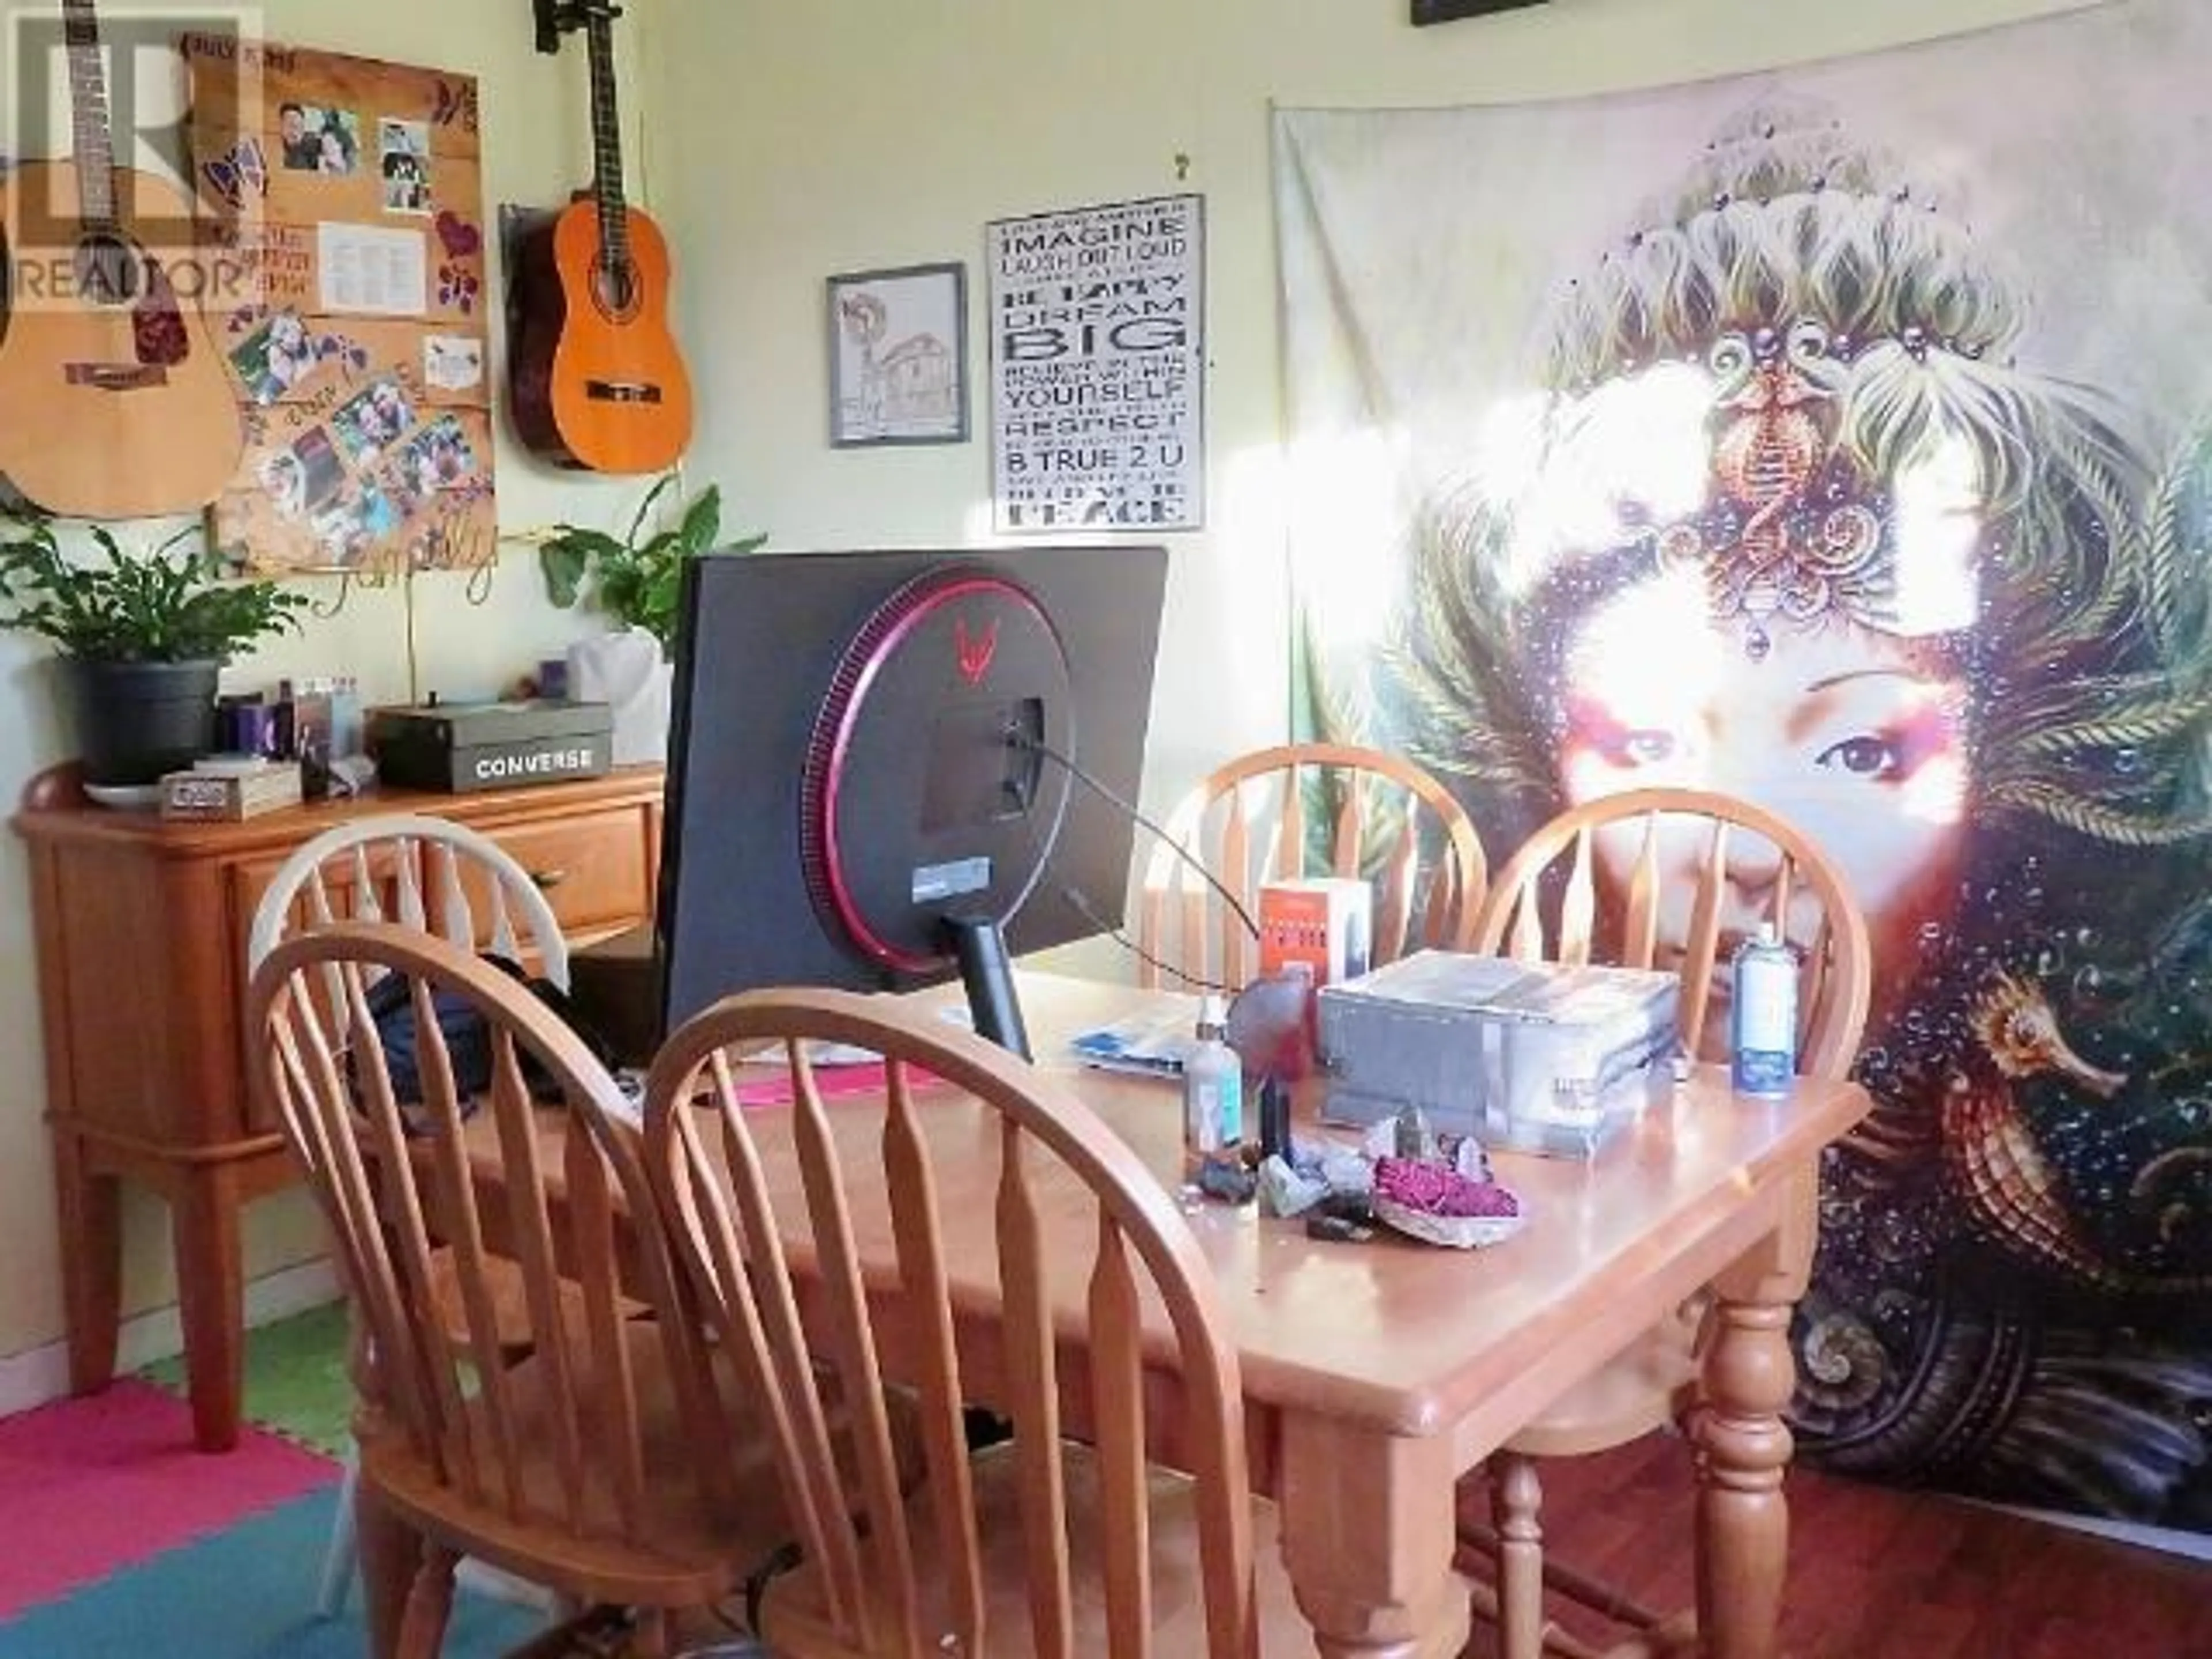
(841, 135)
(538, 146)
(787, 141)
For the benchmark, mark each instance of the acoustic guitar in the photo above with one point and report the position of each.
(596, 380)
(118, 404)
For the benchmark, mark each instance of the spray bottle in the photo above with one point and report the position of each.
(1763, 1016)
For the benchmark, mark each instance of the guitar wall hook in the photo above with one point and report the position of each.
(558, 17)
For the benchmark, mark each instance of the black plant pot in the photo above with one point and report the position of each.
(135, 720)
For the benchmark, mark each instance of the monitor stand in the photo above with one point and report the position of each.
(615, 988)
(980, 948)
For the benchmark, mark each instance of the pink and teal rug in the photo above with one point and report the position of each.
(120, 1539)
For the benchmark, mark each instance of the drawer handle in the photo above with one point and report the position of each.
(543, 879)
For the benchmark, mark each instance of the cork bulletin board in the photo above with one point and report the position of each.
(354, 213)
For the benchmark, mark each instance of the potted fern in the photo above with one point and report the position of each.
(141, 641)
(636, 581)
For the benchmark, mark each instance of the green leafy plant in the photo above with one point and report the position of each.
(170, 605)
(635, 579)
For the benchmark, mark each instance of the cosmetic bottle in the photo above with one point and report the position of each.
(1213, 1092)
(1763, 1016)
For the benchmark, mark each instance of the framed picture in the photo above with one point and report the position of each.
(1443, 11)
(898, 356)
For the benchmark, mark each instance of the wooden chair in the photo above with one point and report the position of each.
(1668, 879)
(579, 1467)
(442, 878)
(424, 872)
(1253, 820)
(1040, 1544)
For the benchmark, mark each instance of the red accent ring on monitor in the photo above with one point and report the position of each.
(893, 624)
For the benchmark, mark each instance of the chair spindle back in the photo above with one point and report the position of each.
(423, 872)
(772, 1209)
(390, 1163)
(1380, 817)
(1674, 878)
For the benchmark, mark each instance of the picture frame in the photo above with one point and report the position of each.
(898, 356)
(1446, 11)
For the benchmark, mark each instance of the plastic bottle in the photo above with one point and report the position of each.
(1212, 1092)
(1763, 1016)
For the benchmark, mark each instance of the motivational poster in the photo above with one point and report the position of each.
(1097, 368)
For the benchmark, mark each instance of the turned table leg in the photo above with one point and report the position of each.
(1368, 1533)
(1743, 1446)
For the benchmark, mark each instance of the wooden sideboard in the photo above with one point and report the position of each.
(142, 930)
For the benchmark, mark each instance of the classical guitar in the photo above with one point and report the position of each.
(596, 380)
(118, 404)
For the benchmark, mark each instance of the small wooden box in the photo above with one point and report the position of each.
(228, 797)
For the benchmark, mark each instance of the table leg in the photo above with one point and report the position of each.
(211, 1302)
(1743, 1452)
(1367, 1524)
(89, 1204)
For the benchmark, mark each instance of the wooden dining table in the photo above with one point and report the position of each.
(1384, 1371)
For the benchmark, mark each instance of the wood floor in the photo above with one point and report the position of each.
(1876, 1574)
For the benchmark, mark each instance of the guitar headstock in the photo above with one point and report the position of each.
(558, 17)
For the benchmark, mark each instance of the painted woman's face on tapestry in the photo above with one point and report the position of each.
(1756, 661)
(1842, 731)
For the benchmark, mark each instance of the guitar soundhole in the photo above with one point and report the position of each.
(614, 288)
(109, 270)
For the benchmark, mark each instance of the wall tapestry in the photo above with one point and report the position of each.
(1838, 438)
(357, 341)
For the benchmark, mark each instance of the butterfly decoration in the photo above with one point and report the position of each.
(458, 286)
(456, 103)
(241, 172)
(351, 353)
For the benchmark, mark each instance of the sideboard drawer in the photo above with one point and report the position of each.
(594, 870)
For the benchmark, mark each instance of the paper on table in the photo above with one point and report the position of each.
(1153, 1043)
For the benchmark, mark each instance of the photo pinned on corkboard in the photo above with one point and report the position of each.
(354, 206)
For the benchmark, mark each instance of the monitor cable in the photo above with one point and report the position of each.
(1017, 738)
(1081, 902)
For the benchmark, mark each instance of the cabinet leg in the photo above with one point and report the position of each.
(89, 1203)
(211, 1300)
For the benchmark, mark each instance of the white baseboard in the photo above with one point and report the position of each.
(39, 1376)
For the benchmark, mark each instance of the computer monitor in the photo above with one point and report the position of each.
(868, 781)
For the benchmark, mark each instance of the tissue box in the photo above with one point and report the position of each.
(1528, 1056)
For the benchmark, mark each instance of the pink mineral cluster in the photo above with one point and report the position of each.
(1437, 1189)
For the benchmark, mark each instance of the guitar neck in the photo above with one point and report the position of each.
(94, 151)
(606, 142)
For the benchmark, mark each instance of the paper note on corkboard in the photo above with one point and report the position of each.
(353, 208)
